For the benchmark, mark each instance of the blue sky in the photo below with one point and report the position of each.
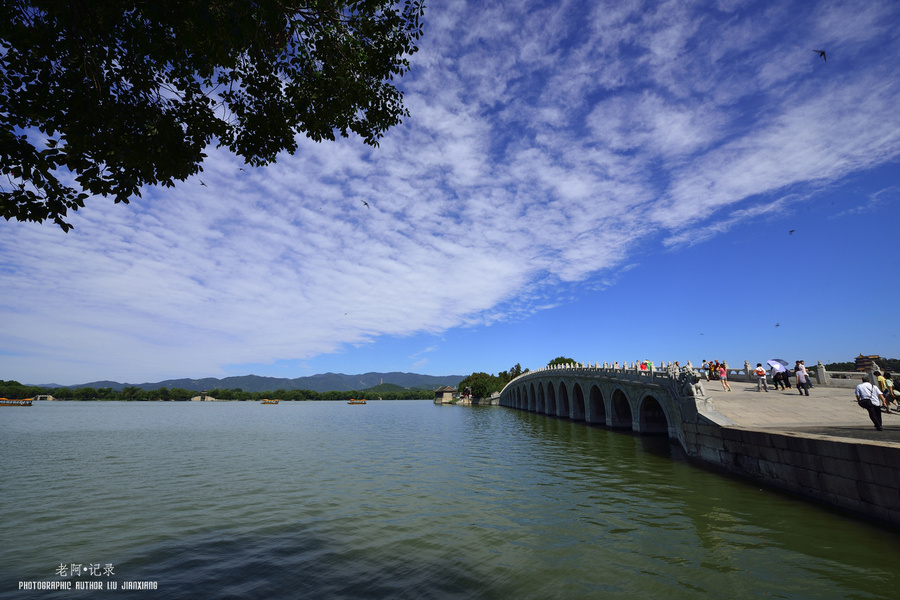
(608, 181)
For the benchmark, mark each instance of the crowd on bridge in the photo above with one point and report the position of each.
(875, 397)
(778, 370)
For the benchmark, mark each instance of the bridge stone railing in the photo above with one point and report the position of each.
(637, 371)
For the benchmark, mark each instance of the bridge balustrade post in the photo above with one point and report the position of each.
(822, 377)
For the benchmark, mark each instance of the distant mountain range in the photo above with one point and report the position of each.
(325, 382)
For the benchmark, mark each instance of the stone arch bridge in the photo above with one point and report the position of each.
(671, 401)
(651, 401)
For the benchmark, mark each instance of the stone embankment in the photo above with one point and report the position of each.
(822, 447)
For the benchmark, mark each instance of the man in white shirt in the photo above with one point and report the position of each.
(868, 396)
(802, 377)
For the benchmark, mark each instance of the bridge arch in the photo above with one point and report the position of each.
(563, 401)
(551, 400)
(541, 401)
(531, 398)
(652, 416)
(577, 403)
(596, 406)
(620, 410)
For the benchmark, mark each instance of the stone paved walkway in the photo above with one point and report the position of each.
(827, 411)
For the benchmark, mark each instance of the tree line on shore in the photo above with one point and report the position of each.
(14, 389)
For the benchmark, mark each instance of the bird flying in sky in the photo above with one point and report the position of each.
(822, 54)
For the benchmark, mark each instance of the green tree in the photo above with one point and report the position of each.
(62, 393)
(104, 97)
(86, 393)
(131, 392)
(15, 390)
(507, 376)
(295, 395)
(482, 384)
(182, 394)
(306, 395)
(561, 360)
(890, 365)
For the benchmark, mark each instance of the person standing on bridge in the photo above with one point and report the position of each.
(777, 378)
(882, 380)
(723, 375)
(760, 373)
(802, 377)
(888, 392)
(809, 384)
(868, 397)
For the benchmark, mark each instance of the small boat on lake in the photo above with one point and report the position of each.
(267, 401)
(22, 402)
(355, 401)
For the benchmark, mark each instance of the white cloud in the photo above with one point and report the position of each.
(546, 142)
(813, 138)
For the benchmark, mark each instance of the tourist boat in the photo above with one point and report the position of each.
(267, 401)
(22, 402)
(355, 401)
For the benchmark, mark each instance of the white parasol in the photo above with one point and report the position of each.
(778, 364)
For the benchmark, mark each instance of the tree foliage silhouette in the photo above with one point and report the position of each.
(102, 97)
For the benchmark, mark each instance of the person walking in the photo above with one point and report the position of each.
(723, 375)
(802, 378)
(886, 390)
(809, 384)
(889, 394)
(760, 378)
(868, 397)
(777, 378)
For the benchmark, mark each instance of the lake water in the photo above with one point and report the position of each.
(398, 500)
